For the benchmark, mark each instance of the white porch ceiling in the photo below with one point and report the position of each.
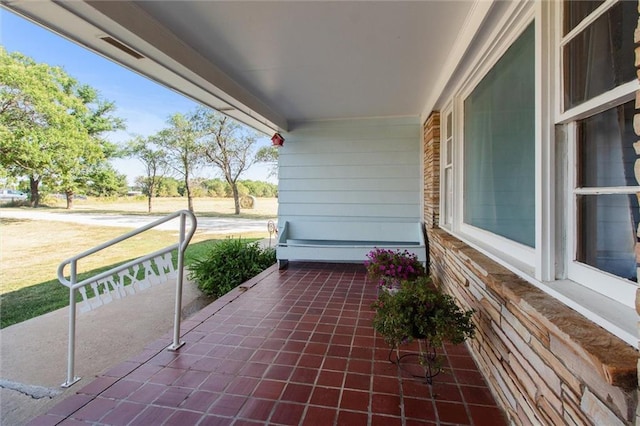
(272, 63)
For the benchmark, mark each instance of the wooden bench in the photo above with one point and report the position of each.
(347, 242)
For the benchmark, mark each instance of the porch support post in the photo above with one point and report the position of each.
(431, 146)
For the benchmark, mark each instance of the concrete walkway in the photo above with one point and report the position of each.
(33, 354)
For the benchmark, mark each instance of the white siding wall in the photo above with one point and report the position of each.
(351, 170)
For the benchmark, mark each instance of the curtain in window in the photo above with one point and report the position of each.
(600, 57)
(576, 10)
(499, 146)
(607, 223)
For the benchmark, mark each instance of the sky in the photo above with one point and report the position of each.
(143, 104)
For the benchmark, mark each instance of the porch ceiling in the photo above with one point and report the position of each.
(271, 63)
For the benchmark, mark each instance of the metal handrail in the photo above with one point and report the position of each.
(73, 285)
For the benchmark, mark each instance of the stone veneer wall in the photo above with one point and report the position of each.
(545, 363)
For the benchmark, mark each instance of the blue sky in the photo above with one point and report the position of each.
(144, 104)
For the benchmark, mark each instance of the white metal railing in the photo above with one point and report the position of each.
(73, 284)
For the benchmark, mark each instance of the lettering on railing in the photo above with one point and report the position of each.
(136, 278)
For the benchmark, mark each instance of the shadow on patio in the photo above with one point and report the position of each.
(287, 347)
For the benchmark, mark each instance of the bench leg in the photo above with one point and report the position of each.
(282, 264)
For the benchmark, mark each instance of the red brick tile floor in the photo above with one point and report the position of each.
(292, 347)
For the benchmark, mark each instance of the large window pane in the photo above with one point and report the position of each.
(605, 148)
(607, 233)
(602, 56)
(499, 146)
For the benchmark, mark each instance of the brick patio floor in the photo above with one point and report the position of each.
(292, 347)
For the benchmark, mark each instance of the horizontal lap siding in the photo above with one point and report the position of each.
(296, 171)
(351, 170)
(362, 184)
(342, 196)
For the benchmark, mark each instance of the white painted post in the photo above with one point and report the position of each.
(177, 344)
(71, 379)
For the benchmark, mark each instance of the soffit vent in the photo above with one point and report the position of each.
(115, 43)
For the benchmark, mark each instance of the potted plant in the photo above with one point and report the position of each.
(388, 268)
(418, 310)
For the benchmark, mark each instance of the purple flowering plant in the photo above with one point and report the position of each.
(385, 265)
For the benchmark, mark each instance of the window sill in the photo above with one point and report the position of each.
(618, 363)
(613, 316)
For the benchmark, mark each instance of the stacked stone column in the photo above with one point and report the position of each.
(431, 147)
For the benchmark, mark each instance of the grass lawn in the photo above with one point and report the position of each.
(30, 252)
(204, 206)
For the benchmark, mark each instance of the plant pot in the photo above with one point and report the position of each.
(389, 285)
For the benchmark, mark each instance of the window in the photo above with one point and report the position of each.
(447, 169)
(538, 163)
(499, 146)
(598, 81)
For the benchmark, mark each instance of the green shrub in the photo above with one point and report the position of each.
(228, 264)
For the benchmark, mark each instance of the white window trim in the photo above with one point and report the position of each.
(600, 103)
(446, 207)
(546, 74)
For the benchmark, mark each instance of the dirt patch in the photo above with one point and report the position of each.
(197, 304)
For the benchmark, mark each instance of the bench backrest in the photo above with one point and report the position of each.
(354, 231)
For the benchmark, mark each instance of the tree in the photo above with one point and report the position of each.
(104, 181)
(155, 163)
(179, 142)
(35, 124)
(269, 154)
(227, 145)
(215, 187)
(79, 173)
(50, 125)
(169, 187)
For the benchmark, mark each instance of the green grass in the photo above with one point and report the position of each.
(35, 300)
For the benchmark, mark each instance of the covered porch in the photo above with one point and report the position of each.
(287, 347)
(383, 110)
